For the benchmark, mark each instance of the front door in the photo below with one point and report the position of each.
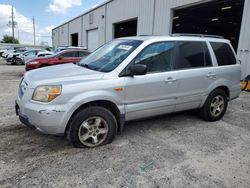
(154, 93)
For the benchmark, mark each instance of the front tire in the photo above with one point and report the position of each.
(215, 106)
(19, 61)
(92, 127)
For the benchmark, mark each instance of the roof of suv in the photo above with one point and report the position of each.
(179, 37)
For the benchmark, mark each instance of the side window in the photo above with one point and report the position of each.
(31, 53)
(158, 57)
(69, 54)
(192, 55)
(82, 54)
(223, 53)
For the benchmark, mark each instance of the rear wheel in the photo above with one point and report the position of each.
(215, 106)
(92, 127)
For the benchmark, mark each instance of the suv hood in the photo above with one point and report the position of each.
(60, 74)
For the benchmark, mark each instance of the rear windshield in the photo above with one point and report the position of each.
(224, 53)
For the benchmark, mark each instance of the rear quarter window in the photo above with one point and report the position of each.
(223, 53)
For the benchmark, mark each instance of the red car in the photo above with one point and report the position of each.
(65, 56)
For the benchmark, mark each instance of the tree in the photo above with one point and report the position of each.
(9, 39)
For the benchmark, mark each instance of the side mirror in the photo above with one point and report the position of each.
(136, 70)
(60, 58)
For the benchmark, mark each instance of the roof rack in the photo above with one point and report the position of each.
(196, 35)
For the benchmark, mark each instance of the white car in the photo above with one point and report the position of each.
(28, 55)
(44, 54)
(11, 57)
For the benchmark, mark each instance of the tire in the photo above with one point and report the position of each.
(215, 106)
(19, 61)
(92, 127)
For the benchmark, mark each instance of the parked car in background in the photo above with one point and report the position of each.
(59, 49)
(30, 54)
(44, 54)
(11, 57)
(3, 51)
(128, 79)
(65, 56)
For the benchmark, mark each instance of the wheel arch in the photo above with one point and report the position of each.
(222, 87)
(112, 107)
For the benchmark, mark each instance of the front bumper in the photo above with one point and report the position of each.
(44, 118)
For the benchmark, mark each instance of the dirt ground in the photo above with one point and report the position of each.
(179, 150)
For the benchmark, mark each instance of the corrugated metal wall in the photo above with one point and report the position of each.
(98, 22)
(244, 42)
(75, 27)
(120, 10)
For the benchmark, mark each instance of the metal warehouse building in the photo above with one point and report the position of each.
(120, 18)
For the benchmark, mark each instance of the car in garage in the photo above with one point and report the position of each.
(62, 57)
(129, 79)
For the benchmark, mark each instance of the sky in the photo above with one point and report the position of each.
(47, 13)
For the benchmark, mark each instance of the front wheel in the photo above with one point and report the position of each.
(92, 127)
(19, 61)
(215, 106)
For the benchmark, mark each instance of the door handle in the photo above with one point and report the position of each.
(211, 75)
(170, 80)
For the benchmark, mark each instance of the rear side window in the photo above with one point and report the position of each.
(70, 54)
(82, 54)
(192, 55)
(223, 53)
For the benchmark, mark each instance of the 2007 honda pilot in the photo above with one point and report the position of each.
(128, 79)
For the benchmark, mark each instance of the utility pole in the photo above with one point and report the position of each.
(12, 23)
(34, 30)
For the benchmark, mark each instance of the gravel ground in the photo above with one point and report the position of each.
(178, 150)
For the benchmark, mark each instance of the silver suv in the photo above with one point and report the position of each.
(128, 79)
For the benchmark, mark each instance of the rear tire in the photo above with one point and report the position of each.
(215, 106)
(92, 127)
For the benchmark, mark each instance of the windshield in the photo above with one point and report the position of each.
(110, 55)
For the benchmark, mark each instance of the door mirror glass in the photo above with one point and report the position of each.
(138, 70)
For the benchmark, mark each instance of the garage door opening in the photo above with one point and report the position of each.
(125, 29)
(220, 17)
(74, 39)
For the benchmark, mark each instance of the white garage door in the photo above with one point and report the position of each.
(93, 40)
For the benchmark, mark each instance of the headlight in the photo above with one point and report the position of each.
(32, 63)
(46, 93)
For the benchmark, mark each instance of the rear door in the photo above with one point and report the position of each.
(195, 73)
(154, 93)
